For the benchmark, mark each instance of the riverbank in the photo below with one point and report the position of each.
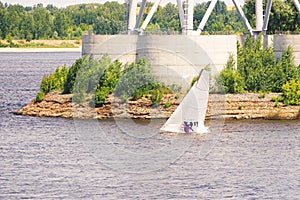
(41, 46)
(34, 50)
(229, 106)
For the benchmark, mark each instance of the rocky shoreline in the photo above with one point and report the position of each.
(229, 106)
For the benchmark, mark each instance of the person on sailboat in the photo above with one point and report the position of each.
(186, 128)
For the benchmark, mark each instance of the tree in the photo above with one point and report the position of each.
(27, 27)
(43, 23)
(110, 19)
(283, 16)
(61, 23)
(52, 9)
(167, 18)
(3, 22)
(220, 20)
(15, 16)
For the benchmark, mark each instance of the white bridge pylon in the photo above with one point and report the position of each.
(186, 13)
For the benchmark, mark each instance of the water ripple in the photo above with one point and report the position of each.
(44, 158)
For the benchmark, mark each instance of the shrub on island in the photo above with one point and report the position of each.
(257, 70)
(290, 94)
(92, 80)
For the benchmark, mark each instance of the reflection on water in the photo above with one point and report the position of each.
(51, 158)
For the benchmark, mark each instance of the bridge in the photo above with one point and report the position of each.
(186, 13)
(176, 59)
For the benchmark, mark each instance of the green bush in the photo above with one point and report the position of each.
(54, 81)
(291, 93)
(230, 79)
(152, 88)
(156, 96)
(138, 80)
(46, 84)
(108, 82)
(168, 104)
(40, 96)
(68, 86)
(84, 76)
(60, 77)
(285, 70)
(156, 91)
(256, 65)
(257, 70)
(101, 95)
(135, 78)
(91, 79)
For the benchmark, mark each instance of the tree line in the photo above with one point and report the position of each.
(50, 22)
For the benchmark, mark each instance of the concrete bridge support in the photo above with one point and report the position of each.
(174, 58)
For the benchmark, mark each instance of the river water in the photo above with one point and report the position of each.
(54, 158)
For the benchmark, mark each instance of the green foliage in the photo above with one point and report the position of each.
(259, 69)
(61, 24)
(284, 16)
(54, 81)
(39, 97)
(134, 76)
(156, 96)
(50, 22)
(86, 75)
(42, 23)
(155, 89)
(262, 95)
(194, 80)
(230, 79)
(107, 82)
(137, 80)
(90, 71)
(166, 19)
(256, 65)
(168, 104)
(221, 21)
(60, 76)
(71, 76)
(92, 80)
(291, 93)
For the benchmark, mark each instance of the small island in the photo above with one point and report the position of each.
(238, 106)
(106, 89)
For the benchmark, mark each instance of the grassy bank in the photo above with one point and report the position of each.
(41, 44)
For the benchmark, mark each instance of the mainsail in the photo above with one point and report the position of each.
(192, 109)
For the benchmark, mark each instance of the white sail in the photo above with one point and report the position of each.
(191, 111)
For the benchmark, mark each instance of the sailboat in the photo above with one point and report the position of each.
(189, 116)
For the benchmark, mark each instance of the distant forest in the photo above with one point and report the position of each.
(50, 22)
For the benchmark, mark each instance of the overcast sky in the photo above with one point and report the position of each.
(64, 3)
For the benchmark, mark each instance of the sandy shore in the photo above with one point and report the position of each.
(33, 50)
